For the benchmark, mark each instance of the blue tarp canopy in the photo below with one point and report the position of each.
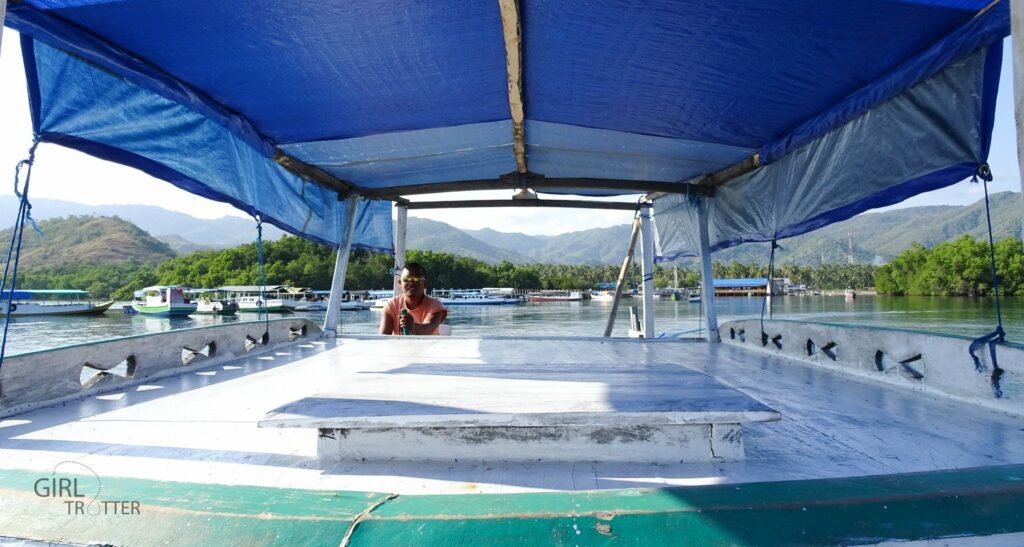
(276, 107)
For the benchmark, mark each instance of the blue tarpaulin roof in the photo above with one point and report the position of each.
(223, 98)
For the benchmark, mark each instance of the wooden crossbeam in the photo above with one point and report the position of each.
(514, 181)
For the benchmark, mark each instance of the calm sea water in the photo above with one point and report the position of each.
(969, 316)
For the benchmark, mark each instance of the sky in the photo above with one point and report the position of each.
(68, 175)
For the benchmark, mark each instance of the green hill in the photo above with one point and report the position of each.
(92, 240)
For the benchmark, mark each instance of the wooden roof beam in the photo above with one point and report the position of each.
(314, 174)
(512, 31)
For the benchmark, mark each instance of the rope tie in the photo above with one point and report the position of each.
(768, 291)
(261, 274)
(997, 336)
(14, 248)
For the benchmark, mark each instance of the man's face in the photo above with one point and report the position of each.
(413, 283)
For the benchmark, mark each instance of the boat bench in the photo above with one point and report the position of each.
(564, 413)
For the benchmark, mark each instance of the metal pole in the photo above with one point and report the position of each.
(401, 229)
(331, 326)
(3, 15)
(1017, 27)
(622, 277)
(647, 268)
(706, 276)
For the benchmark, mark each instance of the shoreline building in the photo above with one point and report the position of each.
(751, 286)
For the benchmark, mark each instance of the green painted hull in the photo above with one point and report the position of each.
(920, 506)
(165, 311)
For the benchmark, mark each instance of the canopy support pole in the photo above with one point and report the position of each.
(706, 275)
(647, 267)
(331, 326)
(622, 277)
(401, 229)
(1017, 45)
(3, 15)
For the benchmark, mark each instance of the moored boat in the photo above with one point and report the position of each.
(164, 301)
(603, 296)
(250, 300)
(555, 296)
(213, 302)
(463, 297)
(31, 302)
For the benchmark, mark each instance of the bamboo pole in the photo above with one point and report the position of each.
(622, 276)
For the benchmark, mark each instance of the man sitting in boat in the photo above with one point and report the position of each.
(413, 312)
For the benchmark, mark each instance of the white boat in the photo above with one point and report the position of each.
(213, 302)
(555, 296)
(164, 301)
(603, 296)
(470, 297)
(31, 302)
(274, 299)
(379, 298)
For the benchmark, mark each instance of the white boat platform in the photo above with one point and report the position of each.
(533, 411)
(203, 425)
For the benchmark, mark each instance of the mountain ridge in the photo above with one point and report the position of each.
(877, 236)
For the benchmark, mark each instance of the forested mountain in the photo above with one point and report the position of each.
(87, 240)
(877, 237)
(192, 233)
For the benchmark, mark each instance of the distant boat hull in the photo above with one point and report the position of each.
(217, 307)
(571, 297)
(251, 304)
(172, 310)
(478, 301)
(352, 305)
(30, 309)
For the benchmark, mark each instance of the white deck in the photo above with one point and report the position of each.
(202, 426)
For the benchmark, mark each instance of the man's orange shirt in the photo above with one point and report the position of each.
(419, 313)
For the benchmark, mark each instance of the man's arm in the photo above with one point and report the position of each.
(387, 324)
(428, 327)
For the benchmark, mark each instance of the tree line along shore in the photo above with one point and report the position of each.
(960, 267)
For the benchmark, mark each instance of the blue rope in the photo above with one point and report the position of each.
(997, 336)
(16, 237)
(261, 275)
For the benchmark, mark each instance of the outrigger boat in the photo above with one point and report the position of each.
(164, 301)
(32, 302)
(737, 121)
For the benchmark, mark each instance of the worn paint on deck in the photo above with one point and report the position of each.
(931, 505)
